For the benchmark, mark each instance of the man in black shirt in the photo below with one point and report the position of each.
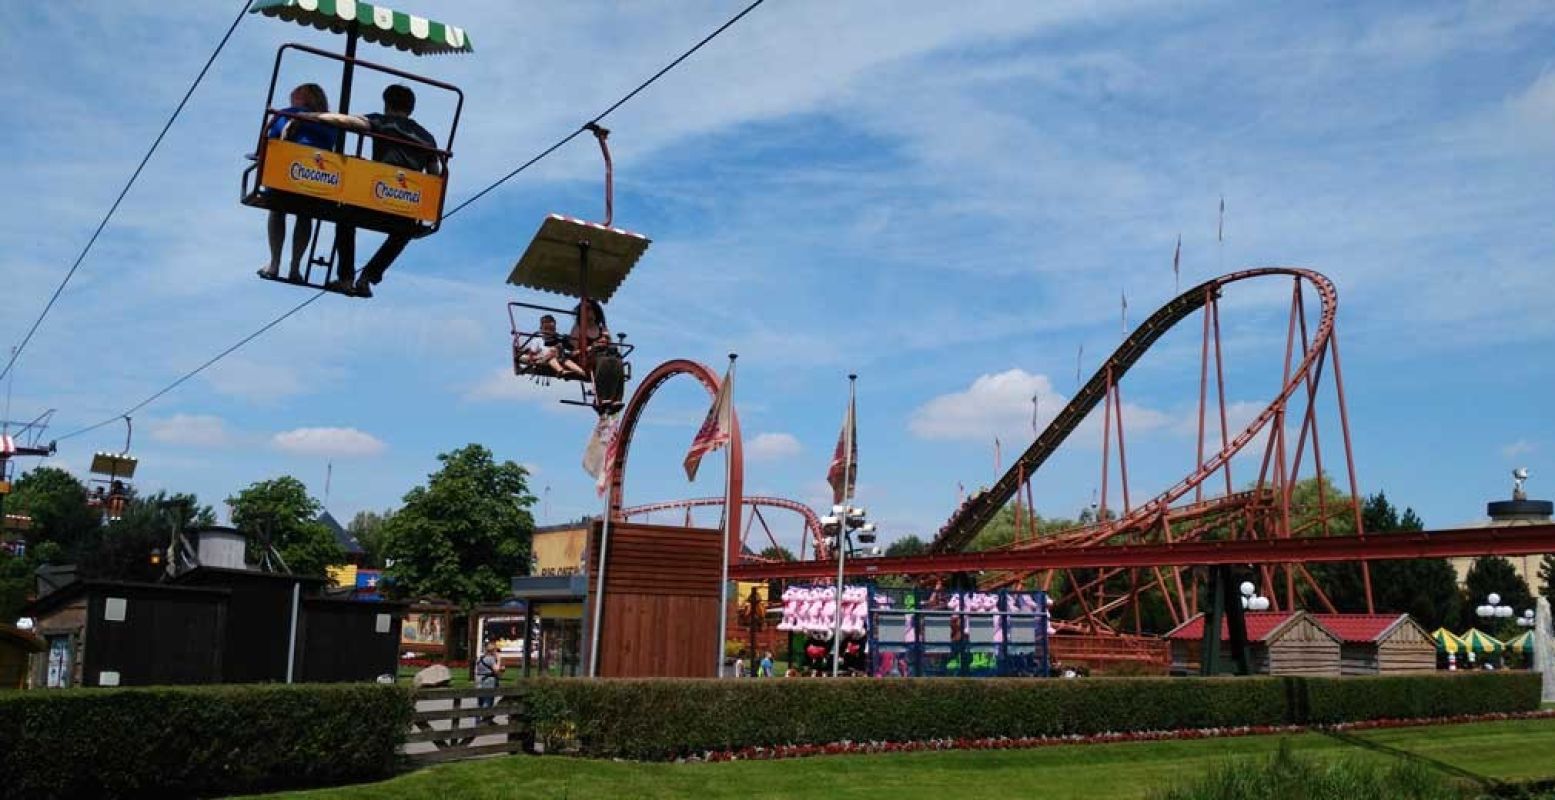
(398, 104)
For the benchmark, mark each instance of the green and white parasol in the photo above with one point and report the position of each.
(376, 24)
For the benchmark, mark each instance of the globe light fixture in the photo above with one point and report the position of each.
(1492, 609)
(1250, 600)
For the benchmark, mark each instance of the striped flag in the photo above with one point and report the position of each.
(599, 455)
(716, 428)
(1123, 296)
(844, 460)
(1220, 228)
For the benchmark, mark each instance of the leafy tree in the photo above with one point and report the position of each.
(1425, 588)
(56, 501)
(125, 549)
(909, 545)
(778, 552)
(1547, 574)
(368, 528)
(465, 533)
(282, 512)
(1001, 529)
(1495, 574)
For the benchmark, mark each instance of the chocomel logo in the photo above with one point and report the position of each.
(402, 193)
(318, 173)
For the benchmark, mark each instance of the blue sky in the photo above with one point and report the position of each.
(947, 199)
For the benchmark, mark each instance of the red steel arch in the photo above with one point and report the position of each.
(633, 412)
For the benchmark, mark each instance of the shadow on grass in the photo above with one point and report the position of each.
(1485, 782)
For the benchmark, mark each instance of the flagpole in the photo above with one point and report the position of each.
(599, 588)
(842, 527)
(723, 577)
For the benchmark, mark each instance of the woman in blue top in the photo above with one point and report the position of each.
(307, 97)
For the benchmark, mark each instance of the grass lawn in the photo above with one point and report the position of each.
(1515, 750)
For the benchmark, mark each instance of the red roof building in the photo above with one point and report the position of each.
(1280, 643)
(1377, 644)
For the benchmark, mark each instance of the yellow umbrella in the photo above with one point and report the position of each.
(1448, 642)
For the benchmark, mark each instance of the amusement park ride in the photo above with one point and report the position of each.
(404, 201)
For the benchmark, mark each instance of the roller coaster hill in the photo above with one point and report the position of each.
(1160, 548)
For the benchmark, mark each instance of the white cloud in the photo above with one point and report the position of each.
(342, 442)
(192, 430)
(994, 405)
(1521, 447)
(772, 446)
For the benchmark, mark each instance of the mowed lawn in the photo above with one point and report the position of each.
(1511, 751)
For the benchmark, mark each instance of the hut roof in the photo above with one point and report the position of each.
(1261, 626)
(1361, 628)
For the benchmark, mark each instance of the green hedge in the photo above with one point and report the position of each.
(655, 719)
(197, 741)
(1330, 700)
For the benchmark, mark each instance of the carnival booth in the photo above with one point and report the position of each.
(916, 632)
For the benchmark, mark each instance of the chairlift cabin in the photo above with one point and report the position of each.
(337, 184)
(112, 491)
(589, 261)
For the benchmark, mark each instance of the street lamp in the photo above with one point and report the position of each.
(1526, 620)
(837, 526)
(1492, 609)
(1252, 601)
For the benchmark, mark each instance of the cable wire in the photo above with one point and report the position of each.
(607, 112)
(482, 193)
(17, 351)
(197, 370)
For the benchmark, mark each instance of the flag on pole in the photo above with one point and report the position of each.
(1220, 228)
(844, 460)
(1177, 262)
(1123, 296)
(716, 428)
(998, 456)
(1077, 358)
(1036, 406)
(600, 454)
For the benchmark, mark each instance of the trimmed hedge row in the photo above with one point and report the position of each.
(657, 719)
(197, 741)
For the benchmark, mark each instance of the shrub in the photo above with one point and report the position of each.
(1414, 696)
(652, 719)
(655, 719)
(197, 741)
(1286, 775)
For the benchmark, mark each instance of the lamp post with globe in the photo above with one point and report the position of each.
(838, 527)
(1492, 609)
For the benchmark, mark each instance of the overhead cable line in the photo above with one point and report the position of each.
(608, 111)
(197, 370)
(17, 350)
(526, 165)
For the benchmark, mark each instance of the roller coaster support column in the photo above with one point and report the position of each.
(1349, 458)
(1224, 602)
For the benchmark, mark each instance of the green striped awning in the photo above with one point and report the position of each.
(1448, 642)
(1522, 643)
(1480, 642)
(380, 25)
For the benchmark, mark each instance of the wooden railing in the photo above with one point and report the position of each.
(451, 724)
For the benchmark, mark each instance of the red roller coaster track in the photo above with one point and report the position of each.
(812, 522)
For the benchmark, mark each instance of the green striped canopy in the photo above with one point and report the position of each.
(1448, 642)
(1521, 643)
(1477, 641)
(381, 25)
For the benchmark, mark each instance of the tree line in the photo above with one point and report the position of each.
(459, 536)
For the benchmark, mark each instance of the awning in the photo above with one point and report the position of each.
(1521, 643)
(552, 263)
(1477, 641)
(379, 25)
(1448, 642)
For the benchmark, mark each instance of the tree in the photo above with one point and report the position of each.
(125, 549)
(282, 513)
(1425, 588)
(1493, 574)
(56, 501)
(465, 534)
(368, 528)
(1001, 529)
(908, 545)
(778, 552)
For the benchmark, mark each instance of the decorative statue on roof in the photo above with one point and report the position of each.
(1519, 476)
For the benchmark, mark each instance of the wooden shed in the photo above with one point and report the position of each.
(1380, 644)
(16, 648)
(1279, 642)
